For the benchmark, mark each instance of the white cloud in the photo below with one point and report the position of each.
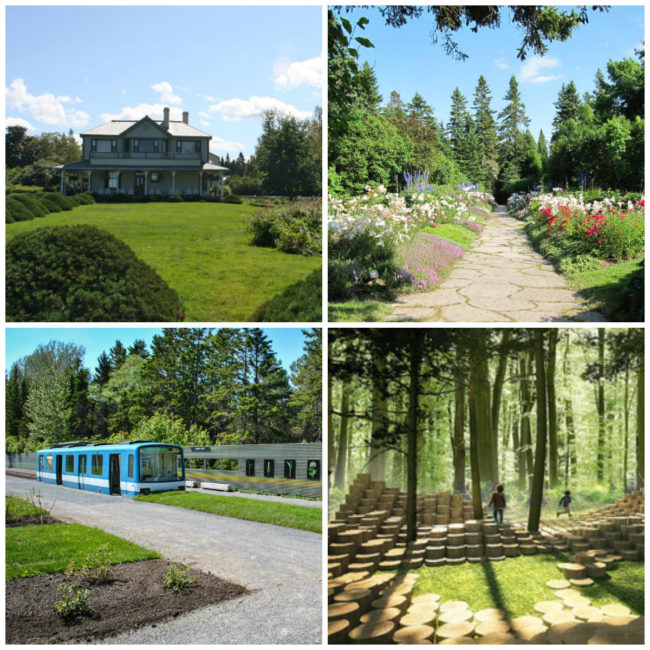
(291, 74)
(167, 93)
(17, 121)
(207, 116)
(204, 123)
(233, 110)
(542, 79)
(501, 64)
(219, 144)
(45, 108)
(531, 69)
(154, 111)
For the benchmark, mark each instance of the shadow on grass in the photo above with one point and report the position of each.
(495, 589)
(301, 301)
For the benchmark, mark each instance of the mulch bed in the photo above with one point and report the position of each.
(136, 597)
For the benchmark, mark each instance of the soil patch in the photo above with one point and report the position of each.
(136, 597)
(31, 520)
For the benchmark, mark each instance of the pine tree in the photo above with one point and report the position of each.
(487, 132)
(103, 370)
(456, 127)
(567, 106)
(117, 355)
(368, 88)
(542, 148)
(15, 397)
(512, 120)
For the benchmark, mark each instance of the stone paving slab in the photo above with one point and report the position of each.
(501, 279)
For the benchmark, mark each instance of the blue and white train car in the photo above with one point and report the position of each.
(126, 469)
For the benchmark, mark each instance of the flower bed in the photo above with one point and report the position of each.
(372, 238)
(610, 228)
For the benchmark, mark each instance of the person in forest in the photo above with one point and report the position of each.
(565, 504)
(498, 502)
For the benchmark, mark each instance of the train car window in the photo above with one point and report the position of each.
(96, 464)
(41, 464)
(83, 464)
(131, 457)
(160, 464)
(50, 463)
(69, 463)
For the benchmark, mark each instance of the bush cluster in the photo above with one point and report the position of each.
(73, 603)
(299, 302)
(291, 228)
(178, 577)
(82, 273)
(24, 206)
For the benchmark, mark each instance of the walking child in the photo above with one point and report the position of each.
(498, 501)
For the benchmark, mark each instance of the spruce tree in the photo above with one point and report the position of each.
(567, 106)
(542, 149)
(487, 133)
(457, 122)
(512, 120)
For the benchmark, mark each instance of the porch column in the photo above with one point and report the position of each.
(221, 187)
(173, 182)
(62, 181)
(90, 180)
(146, 175)
(200, 183)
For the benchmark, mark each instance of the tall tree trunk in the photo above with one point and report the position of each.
(600, 402)
(552, 408)
(377, 462)
(458, 444)
(331, 450)
(415, 363)
(570, 443)
(640, 443)
(626, 424)
(516, 445)
(537, 491)
(487, 446)
(474, 424)
(340, 477)
(497, 391)
(525, 450)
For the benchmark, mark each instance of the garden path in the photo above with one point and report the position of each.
(500, 279)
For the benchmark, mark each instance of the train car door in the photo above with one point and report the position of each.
(114, 474)
(59, 469)
(82, 470)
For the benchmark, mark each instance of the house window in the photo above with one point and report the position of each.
(112, 180)
(146, 145)
(155, 177)
(188, 146)
(50, 462)
(103, 146)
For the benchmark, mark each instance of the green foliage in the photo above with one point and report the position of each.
(64, 202)
(95, 569)
(33, 204)
(571, 266)
(51, 205)
(81, 273)
(17, 211)
(270, 512)
(232, 198)
(17, 509)
(299, 302)
(73, 602)
(39, 550)
(293, 228)
(175, 198)
(178, 577)
(85, 198)
(245, 185)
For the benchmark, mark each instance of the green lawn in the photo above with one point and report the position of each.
(199, 249)
(17, 509)
(35, 550)
(267, 512)
(516, 584)
(367, 310)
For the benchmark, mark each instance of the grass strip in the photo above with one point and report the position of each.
(515, 585)
(17, 509)
(37, 550)
(266, 512)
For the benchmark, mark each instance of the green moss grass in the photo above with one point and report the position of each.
(516, 584)
(454, 233)
(267, 512)
(201, 250)
(37, 550)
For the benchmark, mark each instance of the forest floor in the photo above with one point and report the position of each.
(500, 279)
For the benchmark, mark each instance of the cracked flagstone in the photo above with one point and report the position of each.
(501, 279)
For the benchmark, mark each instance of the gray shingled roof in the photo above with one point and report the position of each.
(150, 165)
(176, 129)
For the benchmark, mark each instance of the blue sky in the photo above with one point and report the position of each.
(77, 67)
(21, 341)
(405, 60)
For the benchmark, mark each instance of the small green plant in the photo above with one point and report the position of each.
(178, 577)
(73, 602)
(96, 569)
(43, 507)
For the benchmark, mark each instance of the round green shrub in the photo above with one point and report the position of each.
(64, 202)
(17, 211)
(84, 198)
(82, 273)
(50, 205)
(299, 302)
(31, 203)
(175, 198)
(232, 198)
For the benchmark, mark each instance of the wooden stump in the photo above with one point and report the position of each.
(547, 606)
(414, 634)
(424, 618)
(615, 609)
(348, 611)
(581, 633)
(574, 602)
(588, 614)
(558, 584)
(488, 627)
(400, 602)
(386, 614)
(566, 593)
(458, 640)
(528, 549)
(490, 614)
(533, 634)
(380, 632)
(572, 571)
(560, 616)
(426, 598)
(555, 632)
(581, 582)
(337, 631)
(497, 638)
(455, 616)
(596, 570)
(521, 622)
(453, 604)
(450, 630)
(362, 596)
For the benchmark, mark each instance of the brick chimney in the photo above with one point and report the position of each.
(186, 117)
(166, 117)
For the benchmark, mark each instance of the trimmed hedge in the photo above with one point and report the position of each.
(32, 203)
(51, 206)
(82, 273)
(16, 211)
(299, 302)
(64, 202)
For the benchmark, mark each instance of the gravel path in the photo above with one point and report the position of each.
(263, 497)
(501, 279)
(282, 565)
